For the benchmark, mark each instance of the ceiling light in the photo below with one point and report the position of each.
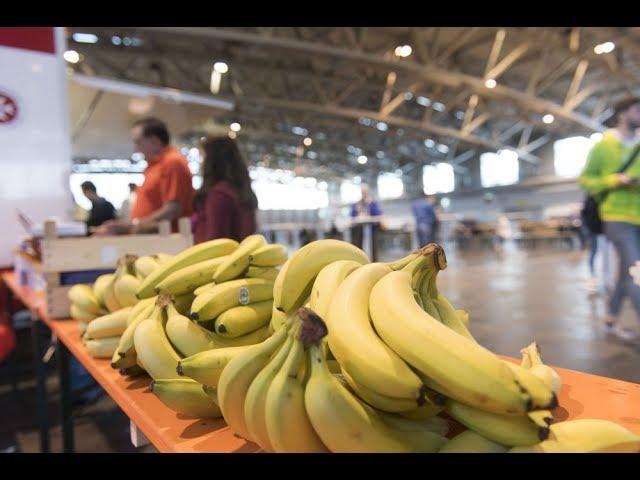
(307, 141)
(235, 127)
(408, 96)
(116, 40)
(459, 114)
(383, 127)
(429, 143)
(490, 83)
(424, 101)
(362, 159)
(442, 148)
(216, 79)
(380, 154)
(71, 56)
(606, 47)
(300, 131)
(440, 107)
(232, 134)
(403, 51)
(548, 118)
(221, 67)
(126, 41)
(84, 38)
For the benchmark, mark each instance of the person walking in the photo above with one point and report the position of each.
(611, 175)
(426, 219)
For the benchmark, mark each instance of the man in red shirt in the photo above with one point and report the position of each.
(167, 191)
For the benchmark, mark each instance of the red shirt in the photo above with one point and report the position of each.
(166, 178)
(222, 215)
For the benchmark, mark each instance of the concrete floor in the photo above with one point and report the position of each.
(513, 299)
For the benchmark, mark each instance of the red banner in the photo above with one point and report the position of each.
(39, 39)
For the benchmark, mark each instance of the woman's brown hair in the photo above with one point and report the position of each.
(223, 162)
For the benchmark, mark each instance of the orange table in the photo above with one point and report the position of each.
(582, 396)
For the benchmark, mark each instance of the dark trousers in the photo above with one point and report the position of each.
(357, 237)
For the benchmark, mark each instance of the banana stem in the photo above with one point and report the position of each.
(403, 262)
(312, 328)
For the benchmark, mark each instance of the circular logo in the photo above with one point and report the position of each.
(8, 108)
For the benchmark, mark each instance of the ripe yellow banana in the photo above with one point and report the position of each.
(126, 345)
(542, 395)
(288, 426)
(472, 442)
(164, 257)
(102, 347)
(230, 294)
(357, 347)
(120, 362)
(110, 300)
(186, 397)
(190, 256)
(295, 280)
(532, 361)
(277, 319)
(542, 418)
(269, 255)
(586, 436)
(125, 284)
(344, 423)
(204, 288)
(82, 296)
(326, 284)
(81, 315)
(240, 320)
(139, 307)
(110, 325)
(508, 430)
(183, 303)
(189, 278)
(437, 425)
(238, 261)
(152, 345)
(236, 378)
(255, 401)
(145, 265)
(268, 273)
(100, 287)
(206, 367)
(82, 327)
(470, 372)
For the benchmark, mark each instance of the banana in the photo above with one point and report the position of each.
(100, 286)
(102, 347)
(139, 307)
(472, 442)
(269, 256)
(165, 257)
(126, 345)
(204, 288)
(110, 300)
(238, 261)
(152, 345)
(277, 319)
(463, 315)
(504, 429)
(190, 256)
(230, 294)
(295, 280)
(120, 362)
(237, 376)
(288, 426)
(82, 327)
(189, 278)
(111, 325)
(532, 360)
(206, 367)
(185, 397)
(145, 265)
(255, 401)
(326, 284)
(542, 394)
(82, 296)
(586, 436)
(240, 320)
(469, 372)
(433, 424)
(212, 393)
(133, 371)
(81, 315)
(183, 303)
(542, 418)
(357, 347)
(268, 273)
(344, 423)
(126, 283)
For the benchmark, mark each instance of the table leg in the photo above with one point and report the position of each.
(42, 405)
(66, 400)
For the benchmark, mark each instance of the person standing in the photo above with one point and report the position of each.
(167, 191)
(101, 209)
(128, 203)
(225, 205)
(611, 174)
(425, 215)
(366, 213)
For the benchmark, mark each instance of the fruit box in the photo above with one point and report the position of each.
(69, 261)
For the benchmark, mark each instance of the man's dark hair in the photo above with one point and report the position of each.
(133, 187)
(154, 127)
(88, 186)
(624, 104)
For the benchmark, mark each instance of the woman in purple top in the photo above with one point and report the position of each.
(367, 209)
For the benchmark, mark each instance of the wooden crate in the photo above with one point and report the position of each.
(96, 254)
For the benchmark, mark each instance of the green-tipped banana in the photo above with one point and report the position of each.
(190, 256)
(508, 430)
(228, 295)
(238, 261)
(189, 278)
(110, 325)
(207, 366)
(240, 320)
(82, 296)
(186, 397)
(268, 273)
(295, 280)
(472, 442)
(326, 284)
(269, 256)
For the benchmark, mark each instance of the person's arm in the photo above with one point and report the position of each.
(169, 211)
(592, 180)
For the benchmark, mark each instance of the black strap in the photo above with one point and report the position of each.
(630, 160)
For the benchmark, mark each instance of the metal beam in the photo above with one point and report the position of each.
(463, 157)
(495, 51)
(581, 69)
(535, 144)
(386, 96)
(476, 122)
(512, 57)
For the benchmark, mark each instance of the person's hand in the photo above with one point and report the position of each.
(624, 179)
(114, 227)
